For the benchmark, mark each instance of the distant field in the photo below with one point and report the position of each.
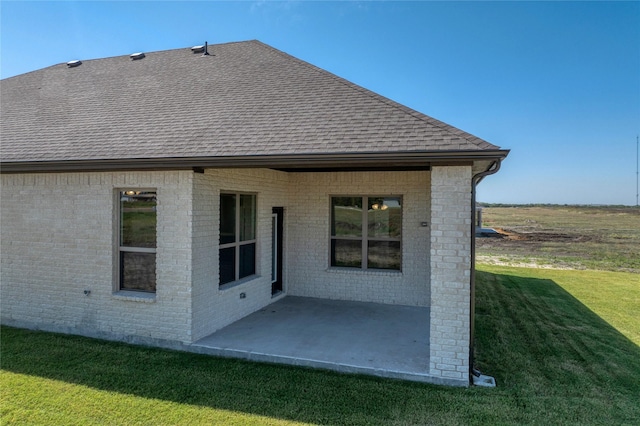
(580, 237)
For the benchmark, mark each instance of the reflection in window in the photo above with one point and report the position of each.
(247, 217)
(227, 265)
(366, 237)
(227, 218)
(138, 271)
(346, 216)
(383, 254)
(346, 253)
(137, 240)
(237, 255)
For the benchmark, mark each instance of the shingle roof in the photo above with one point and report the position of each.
(245, 99)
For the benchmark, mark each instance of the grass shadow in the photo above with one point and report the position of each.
(276, 391)
(555, 362)
(532, 335)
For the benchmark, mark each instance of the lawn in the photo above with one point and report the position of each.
(562, 345)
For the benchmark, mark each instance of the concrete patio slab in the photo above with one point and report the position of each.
(353, 337)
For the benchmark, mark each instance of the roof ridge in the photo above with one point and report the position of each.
(385, 100)
(151, 52)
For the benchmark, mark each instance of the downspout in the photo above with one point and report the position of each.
(475, 180)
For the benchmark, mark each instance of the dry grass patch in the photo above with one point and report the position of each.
(577, 237)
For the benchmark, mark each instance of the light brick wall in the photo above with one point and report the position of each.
(305, 197)
(450, 273)
(308, 224)
(214, 308)
(59, 239)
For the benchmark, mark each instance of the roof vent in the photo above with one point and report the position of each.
(137, 56)
(74, 63)
(201, 49)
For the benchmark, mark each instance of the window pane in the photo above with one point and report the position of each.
(227, 218)
(346, 216)
(247, 217)
(227, 265)
(385, 217)
(138, 219)
(346, 253)
(384, 255)
(247, 260)
(138, 271)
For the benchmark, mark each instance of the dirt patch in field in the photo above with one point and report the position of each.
(536, 247)
(542, 237)
(606, 238)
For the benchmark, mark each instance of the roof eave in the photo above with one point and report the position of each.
(288, 161)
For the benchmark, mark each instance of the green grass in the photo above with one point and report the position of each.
(562, 345)
(613, 296)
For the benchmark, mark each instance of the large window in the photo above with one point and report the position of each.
(366, 232)
(137, 240)
(237, 237)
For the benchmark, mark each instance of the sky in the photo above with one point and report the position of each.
(557, 83)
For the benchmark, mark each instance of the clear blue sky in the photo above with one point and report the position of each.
(558, 83)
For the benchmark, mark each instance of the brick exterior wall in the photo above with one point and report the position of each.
(306, 198)
(450, 273)
(59, 239)
(308, 226)
(215, 308)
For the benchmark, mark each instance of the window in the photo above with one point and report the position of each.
(137, 240)
(237, 237)
(366, 232)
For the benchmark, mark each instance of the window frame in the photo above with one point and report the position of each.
(119, 193)
(237, 244)
(364, 238)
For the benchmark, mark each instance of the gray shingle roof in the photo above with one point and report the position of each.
(245, 99)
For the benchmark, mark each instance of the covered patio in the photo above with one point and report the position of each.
(352, 337)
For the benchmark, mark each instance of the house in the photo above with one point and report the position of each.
(159, 197)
